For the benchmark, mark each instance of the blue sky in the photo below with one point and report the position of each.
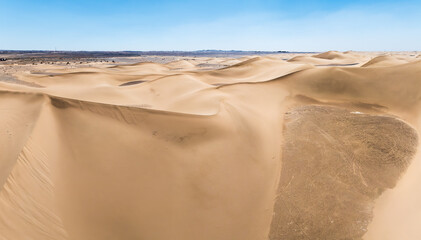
(201, 24)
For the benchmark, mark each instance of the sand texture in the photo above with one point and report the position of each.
(283, 146)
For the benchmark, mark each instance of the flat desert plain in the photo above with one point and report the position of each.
(281, 146)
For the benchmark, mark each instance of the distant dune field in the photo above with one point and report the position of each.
(282, 146)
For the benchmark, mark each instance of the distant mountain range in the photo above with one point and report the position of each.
(107, 54)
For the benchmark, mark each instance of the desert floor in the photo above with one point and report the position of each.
(279, 146)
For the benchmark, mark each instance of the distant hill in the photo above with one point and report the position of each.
(106, 54)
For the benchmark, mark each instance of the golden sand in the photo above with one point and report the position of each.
(313, 147)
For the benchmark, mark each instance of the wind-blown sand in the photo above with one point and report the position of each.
(310, 147)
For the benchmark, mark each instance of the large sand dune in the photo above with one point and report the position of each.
(314, 147)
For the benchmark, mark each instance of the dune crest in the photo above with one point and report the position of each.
(387, 61)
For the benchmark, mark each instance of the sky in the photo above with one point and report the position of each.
(266, 25)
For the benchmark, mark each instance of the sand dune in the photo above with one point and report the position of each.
(243, 71)
(331, 58)
(316, 147)
(332, 55)
(386, 61)
(181, 64)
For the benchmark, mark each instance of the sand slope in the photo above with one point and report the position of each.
(262, 149)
